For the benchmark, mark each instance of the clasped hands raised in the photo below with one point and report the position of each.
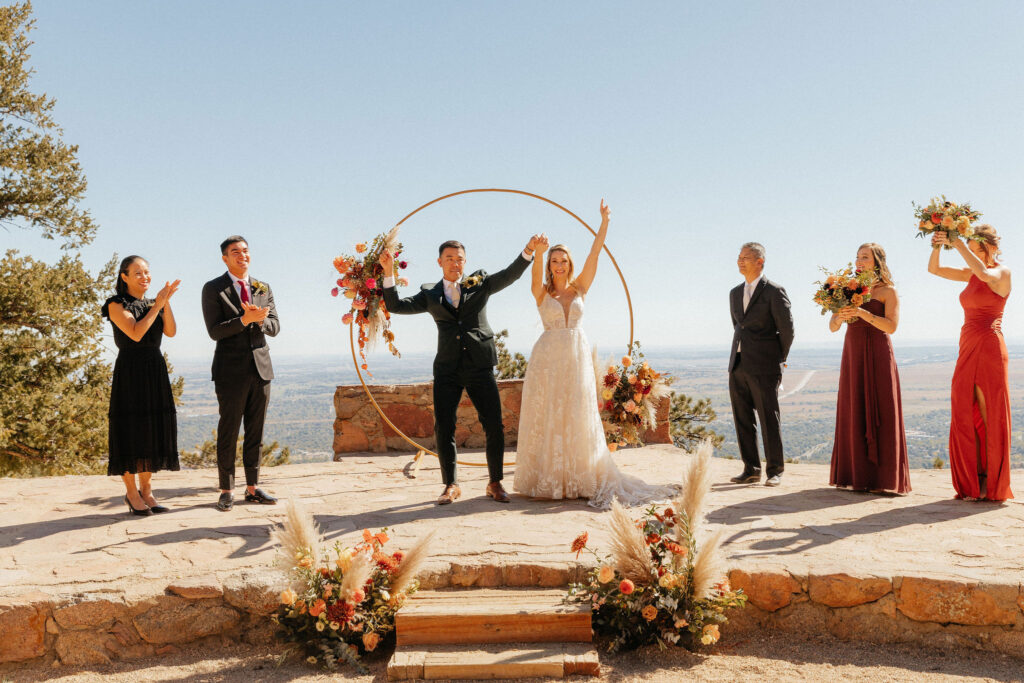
(165, 294)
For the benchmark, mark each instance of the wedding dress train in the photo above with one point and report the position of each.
(562, 451)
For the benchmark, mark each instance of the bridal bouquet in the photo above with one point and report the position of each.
(362, 282)
(629, 394)
(659, 585)
(842, 288)
(943, 215)
(336, 608)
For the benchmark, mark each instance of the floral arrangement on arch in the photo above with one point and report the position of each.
(659, 585)
(843, 288)
(956, 220)
(362, 282)
(340, 605)
(629, 394)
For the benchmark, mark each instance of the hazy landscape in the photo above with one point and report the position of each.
(301, 407)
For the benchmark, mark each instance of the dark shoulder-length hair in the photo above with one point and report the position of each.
(121, 287)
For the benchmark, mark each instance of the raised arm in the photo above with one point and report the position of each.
(939, 239)
(537, 273)
(503, 278)
(997, 277)
(586, 276)
(416, 303)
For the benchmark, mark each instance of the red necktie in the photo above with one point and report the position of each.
(244, 289)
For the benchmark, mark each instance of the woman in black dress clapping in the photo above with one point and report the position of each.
(143, 434)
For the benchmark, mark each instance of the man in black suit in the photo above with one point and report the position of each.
(466, 354)
(762, 334)
(240, 315)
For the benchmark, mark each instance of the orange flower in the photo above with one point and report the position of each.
(638, 397)
(857, 299)
(579, 543)
(358, 595)
(676, 549)
(710, 634)
(947, 221)
(288, 597)
(606, 574)
(626, 361)
(381, 537)
(613, 446)
(317, 608)
(370, 641)
(626, 587)
(360, 248)
(650, 612)
(936, 218)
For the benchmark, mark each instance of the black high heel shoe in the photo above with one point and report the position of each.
(144, 512)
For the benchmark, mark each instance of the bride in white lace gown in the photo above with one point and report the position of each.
(562, 452)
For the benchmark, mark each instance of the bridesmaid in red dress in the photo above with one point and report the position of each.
(870, 448)
(979, 431)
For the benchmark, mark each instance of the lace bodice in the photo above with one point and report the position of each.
(553, 315)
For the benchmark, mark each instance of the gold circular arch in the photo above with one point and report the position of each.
(351, 335)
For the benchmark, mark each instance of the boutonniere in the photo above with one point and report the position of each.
(471, 281)
(258, 287)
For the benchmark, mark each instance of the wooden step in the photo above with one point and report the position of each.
(492, 616)
(519, 660)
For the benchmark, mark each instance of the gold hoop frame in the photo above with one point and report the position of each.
(351, 334)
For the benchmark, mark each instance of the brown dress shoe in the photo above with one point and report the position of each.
(496, 491)
(451, 493)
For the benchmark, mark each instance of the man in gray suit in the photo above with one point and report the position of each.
(762, 334)
(240, 314)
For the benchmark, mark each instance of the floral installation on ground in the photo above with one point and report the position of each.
(340, 604)
(628, 394)
(942, 215)
(362, 282)
(843, 288)
(659, 584)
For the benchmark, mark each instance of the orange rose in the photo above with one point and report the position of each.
(936, 218)
(626, 587)
(650, 612)
(370, 641)
(856, 299)
(360, 248)
(626, 361)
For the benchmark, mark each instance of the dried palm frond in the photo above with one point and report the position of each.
(357, 574)
(297, 537)
(696, 484)
(707, 567)
(377, 321)
(630, 555)
(411, 564)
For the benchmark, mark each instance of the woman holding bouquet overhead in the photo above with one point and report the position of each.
(870, 449)
(979, 429)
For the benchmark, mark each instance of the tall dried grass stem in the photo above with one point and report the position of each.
(628, 550)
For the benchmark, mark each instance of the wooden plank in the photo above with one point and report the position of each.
(477, 628)
(406, 665)
(524, 662)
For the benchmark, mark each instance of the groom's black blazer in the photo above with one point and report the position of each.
(463, 332)
(238, 345)
(764, 332)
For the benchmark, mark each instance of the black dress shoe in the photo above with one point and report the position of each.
(144, 512)
(747, 478)
(225, 502)
(260, 497)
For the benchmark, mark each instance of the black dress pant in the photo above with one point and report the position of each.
(243, 401)
(754, 393)
(482, 388)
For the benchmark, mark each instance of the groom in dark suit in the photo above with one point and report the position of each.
(762, 334)
(240, 315)
(466, 354)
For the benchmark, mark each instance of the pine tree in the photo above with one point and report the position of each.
(688, 421)
(54, 384)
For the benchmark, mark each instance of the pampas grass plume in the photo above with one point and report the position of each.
(357, 575)
(707, 567)
(692, 498)
(630, 555)
(298, 536)
(411, 564)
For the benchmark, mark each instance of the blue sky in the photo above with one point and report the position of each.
(309, 126)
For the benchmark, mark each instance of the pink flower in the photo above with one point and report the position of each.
(626, 587)
(359, 305)
(371, 283)
(346, 319)
(630, 406)
(334, 291)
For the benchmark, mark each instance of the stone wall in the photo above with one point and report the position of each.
(359, 428)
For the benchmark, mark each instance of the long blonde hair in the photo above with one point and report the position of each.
(881, 268)
(549, 284)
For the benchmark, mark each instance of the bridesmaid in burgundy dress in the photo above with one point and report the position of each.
(870, 450)
(979, 430)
